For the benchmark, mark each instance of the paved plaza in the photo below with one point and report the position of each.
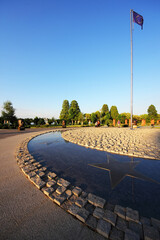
(27, 213)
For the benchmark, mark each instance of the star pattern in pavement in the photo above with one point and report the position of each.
(118, 170)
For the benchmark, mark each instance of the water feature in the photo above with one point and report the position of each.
(132, 182)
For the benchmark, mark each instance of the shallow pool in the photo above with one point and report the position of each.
(132, 182)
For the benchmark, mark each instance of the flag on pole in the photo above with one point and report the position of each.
(138, 19)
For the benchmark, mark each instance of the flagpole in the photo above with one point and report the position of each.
(131, 20)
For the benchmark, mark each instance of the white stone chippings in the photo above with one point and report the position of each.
(139, 142)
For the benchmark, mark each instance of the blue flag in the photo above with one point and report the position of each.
(138, 19)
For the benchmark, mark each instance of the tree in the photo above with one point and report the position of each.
(52, 120)
(81, 118)
(74, 111)
(35, 120)
(106, 118)
(8, 112)
(28, 121)
(98, 114)
(114, 112)
(127, 115)
(93, 118)
(41, 121)
(152, 112)
(65, 111)
(104, 110)
(122, 117)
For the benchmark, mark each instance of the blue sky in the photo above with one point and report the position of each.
(54, 50)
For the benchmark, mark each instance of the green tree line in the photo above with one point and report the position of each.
(72, 114)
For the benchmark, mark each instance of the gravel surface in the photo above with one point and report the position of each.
(140, 142)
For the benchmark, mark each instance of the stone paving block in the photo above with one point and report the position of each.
(73, 209)
(63, 182)
(59, 199)
(91, 222)
(84, 194)
(103, 228)
(116, 234)
(155, 223)
(40, 174)
(51, 175)
(145, 221)
(51, 197)
(36, 164)
(39, 166)
(43, 169)
(31, 174)
(132, 215)
(82, 215)
(136, 227)
(38, 182)
(98, 212)
(68, 193)
(89, 207)
(66, 205)
(120, 211)
(32, 168)
(77, 191)
(51, 183)
(150, 233)
(21, 165)
(48, 190)
(96, 201)
(61, 189)
(110, 217)
(121, 224)
(131, 235)
(73, 198)
(110, 207)
(25, 170)
(81, 202)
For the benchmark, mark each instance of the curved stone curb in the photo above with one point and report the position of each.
(112, 222)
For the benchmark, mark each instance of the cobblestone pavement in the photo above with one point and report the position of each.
(113, 222)
(140, 142)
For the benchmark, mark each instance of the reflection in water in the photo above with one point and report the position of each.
(132, 182)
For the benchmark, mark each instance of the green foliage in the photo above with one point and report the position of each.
(104, 110)
(64, 115)
(93, 118)
(52, 120)
(74, 111)
(35, 120)
(114, 112)
(28, 121)
(41, 121)
(98, 114)
(80, 117)
(127, 115)
(1, 120)
(8, 112)
(152, 112)
(144, 116)
(122, 118)
(87, 117)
